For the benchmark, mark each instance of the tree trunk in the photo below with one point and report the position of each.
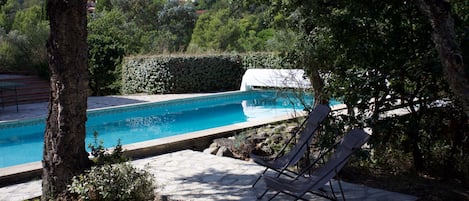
(318, 85)
(451, 56)
(64, 138)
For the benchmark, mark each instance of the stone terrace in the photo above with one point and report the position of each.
(197, 176)
(184, 175)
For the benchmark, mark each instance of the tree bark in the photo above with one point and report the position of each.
(64, 139)
(318, 85)
(451, 56)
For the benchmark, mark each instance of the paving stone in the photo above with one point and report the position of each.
(196, 176)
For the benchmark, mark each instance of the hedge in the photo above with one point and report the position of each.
(164, 74)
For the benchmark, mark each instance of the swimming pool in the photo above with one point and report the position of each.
(22, 142)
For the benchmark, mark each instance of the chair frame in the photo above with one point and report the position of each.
(337, 167)
(306, 142)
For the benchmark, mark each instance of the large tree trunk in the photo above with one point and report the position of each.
(64, 139)
(451, 56)
(318, 85)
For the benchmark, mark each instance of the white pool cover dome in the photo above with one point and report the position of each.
(281, 78)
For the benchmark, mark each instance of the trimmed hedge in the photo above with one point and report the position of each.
(183, 74)
(164, 74)
(265, 60)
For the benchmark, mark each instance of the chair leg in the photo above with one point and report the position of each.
(262, 195)
(273, 196)
(341, 189)
(333, 197)
(259, 177)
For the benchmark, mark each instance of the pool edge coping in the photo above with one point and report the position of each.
(29, 171)
(92, 111)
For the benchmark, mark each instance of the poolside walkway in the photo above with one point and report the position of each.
(184, 175)
(191, 175)
(40, 110)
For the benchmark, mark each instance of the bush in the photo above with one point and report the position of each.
(181, 74)
(105, 56)
(23, 48)
(442, 139)
(103, 156)
(265, 60)
(114, 182)
(191, 73)
(112, 178)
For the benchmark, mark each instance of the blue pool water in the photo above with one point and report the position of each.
(22, 142)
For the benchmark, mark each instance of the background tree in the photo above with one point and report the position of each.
(204, 4)
(31, 23)
(105, 55)
(450, 54)
(232, 26)
(179, 21)
(64, 140)
(7, 14)
(110, 37)
(376, 56)
(22, 41)
(215, 32)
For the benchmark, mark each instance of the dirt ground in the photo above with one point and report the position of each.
(426, 189)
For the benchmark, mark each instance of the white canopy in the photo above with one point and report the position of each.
(283, 78)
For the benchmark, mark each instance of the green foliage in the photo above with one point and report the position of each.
(215, 32)
(253, 37)
(103, 156)
(103, 5)
(283, 40)
(189, 74)
(376, 56)
(148, 26)
(110, 37)
(24, 47)
(27, 19)
(113, 24)
(105, 57)
(13, 48)
(114, 182)
(179, 20)
(112, 178)
(157, 42)
(231, 27)
(442, 139)
(265, 60)
(144, 13)
(7, 14)
(204, 4)
(183, 74)
(461, 21)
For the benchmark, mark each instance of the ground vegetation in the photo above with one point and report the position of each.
(112, 177)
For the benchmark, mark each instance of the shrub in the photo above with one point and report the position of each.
(181, 74)
(103, 156)
(105, 56)
(112, 178)
(114, 182)
(265, 60)
(193, 73)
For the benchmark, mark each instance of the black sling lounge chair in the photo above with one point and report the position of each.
(314, 183)
(283, 160)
